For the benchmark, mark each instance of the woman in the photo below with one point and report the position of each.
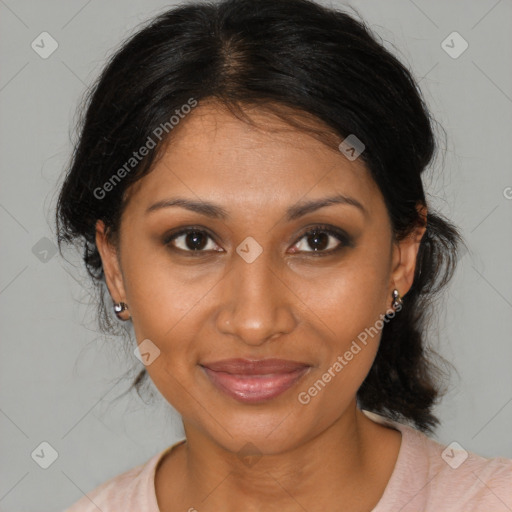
(247, 184)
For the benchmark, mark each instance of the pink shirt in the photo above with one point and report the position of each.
(427, 477)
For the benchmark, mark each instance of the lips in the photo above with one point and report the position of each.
(254, 367)
(253, 381)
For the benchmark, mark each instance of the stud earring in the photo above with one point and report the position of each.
(397, 300)
(119, 307)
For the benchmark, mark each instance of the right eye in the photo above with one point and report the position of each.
(190, 240)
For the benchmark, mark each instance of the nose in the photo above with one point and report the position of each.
(257, 303)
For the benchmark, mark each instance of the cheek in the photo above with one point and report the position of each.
(349, 306)
(160, 293)
(169, 307)
(348, 297)
(348, 352)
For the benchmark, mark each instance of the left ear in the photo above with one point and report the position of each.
(405, 255)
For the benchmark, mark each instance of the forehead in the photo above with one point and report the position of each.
(215, 156)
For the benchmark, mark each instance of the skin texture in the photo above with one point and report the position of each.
(284, 304)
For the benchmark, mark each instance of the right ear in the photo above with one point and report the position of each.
(111, 266)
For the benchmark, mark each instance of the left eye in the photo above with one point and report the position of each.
(318, 239)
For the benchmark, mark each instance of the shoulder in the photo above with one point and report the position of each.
(431, 476)
(452, 478)
(468, 481)
(132, 490)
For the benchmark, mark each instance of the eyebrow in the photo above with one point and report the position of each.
(218, 212)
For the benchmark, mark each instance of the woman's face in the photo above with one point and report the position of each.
(255, 288)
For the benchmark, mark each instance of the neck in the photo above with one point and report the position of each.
(349, 463)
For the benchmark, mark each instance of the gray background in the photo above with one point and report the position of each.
(58, 376)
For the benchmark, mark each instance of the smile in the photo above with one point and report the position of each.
(254, 381)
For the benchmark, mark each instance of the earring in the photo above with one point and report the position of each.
(397, 300)
(119, 307)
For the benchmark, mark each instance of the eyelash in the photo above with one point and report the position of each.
(341, 236)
